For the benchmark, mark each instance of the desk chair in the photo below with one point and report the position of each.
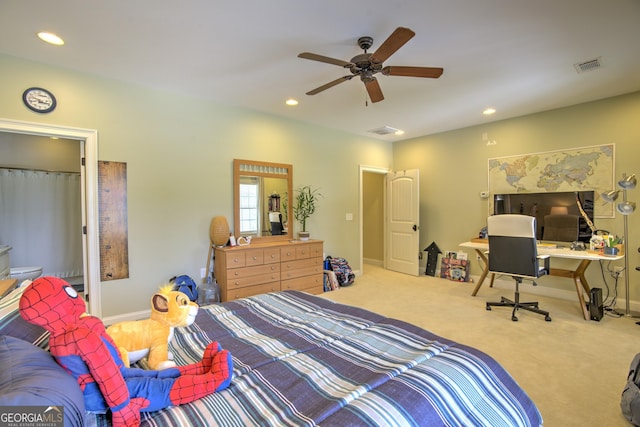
(275, 218)
(513, 251)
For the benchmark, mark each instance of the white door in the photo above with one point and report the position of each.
(402, 240)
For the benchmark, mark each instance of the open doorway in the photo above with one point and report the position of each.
(372, 205)
(88, 142)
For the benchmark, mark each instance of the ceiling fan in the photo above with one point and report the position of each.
(366, 65)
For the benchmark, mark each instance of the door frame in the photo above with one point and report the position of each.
(362, 170)
(89, 185)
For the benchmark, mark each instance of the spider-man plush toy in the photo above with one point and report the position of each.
(81, 346)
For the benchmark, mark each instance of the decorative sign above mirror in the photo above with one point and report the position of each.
(261, 205)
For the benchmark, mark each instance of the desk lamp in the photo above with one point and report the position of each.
(626, 208)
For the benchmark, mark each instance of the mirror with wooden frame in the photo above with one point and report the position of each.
(261, 194)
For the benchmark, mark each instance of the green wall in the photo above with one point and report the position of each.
(453, 172)
(179, 152)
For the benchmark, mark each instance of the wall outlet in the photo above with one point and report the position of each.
(203, 272)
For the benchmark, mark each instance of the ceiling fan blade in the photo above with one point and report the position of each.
(374, 90)
(330, 84)
(326, 59)
(430, 72)
(394, 42)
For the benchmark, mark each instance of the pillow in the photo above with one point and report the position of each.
(30, 376)
(12, 324)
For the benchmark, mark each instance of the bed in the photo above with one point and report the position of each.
(302, 360)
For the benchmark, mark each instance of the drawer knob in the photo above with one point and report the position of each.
(255, 258)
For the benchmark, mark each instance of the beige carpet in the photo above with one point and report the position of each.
(572, 368)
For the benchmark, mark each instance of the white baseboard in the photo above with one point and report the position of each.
(546, 291)
(136, 315)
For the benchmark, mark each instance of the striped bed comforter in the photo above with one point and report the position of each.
(301, 360)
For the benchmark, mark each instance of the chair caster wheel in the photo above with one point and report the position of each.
(514, 318)
(488, 308)
(547, 318)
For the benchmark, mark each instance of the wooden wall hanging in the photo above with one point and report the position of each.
(112, 207)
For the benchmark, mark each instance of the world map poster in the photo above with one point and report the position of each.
(576, 169)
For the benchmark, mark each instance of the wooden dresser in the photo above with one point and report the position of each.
(242, 271)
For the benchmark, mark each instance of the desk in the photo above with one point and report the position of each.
(585, 258)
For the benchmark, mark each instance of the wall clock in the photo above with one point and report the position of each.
(39, 100)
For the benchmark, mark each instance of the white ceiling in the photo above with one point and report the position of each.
(515, 55)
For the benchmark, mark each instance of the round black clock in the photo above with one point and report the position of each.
(39, 100)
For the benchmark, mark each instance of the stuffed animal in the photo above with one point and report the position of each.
(82, 347)
(150, 337)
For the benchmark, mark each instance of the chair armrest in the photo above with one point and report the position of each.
(544, 256)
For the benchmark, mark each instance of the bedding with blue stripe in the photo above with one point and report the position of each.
(301, 360)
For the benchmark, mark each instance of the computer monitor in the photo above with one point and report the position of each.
(563, 211)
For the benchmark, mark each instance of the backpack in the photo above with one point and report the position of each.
(186, 285)
(343, 271)
(630, 403)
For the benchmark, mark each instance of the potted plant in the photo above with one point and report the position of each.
(304, 205)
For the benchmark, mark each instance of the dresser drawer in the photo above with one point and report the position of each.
(253, 257)
(256, 270)
(235, 259)
(271, 255)
(315, 250)
(307, 271)
(288, 253)
(301, 263)
(241, 282)
(252, 290)
(312, 284)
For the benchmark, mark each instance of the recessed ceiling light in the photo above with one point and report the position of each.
(489, 111)
(50, 38)
(291, 102)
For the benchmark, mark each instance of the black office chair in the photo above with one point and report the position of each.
(513, 251)
(277, 228)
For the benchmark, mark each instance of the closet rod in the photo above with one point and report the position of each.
(37, 170)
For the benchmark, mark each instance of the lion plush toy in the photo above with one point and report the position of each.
(150, 337)
(79, 343)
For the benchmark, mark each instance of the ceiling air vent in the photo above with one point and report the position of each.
(590, 65)
(384, 130)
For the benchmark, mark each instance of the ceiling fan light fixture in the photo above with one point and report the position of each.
(489, 111)
(291, 102)
(50, 38)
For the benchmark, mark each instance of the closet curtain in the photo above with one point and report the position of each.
(41, 219)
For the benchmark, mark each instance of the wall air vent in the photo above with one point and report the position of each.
(385, 130)
(590, 65)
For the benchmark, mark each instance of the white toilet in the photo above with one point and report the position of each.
(25, 273)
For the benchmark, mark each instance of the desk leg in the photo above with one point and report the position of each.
(582, 284)
(579, 280)
(485, 271)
